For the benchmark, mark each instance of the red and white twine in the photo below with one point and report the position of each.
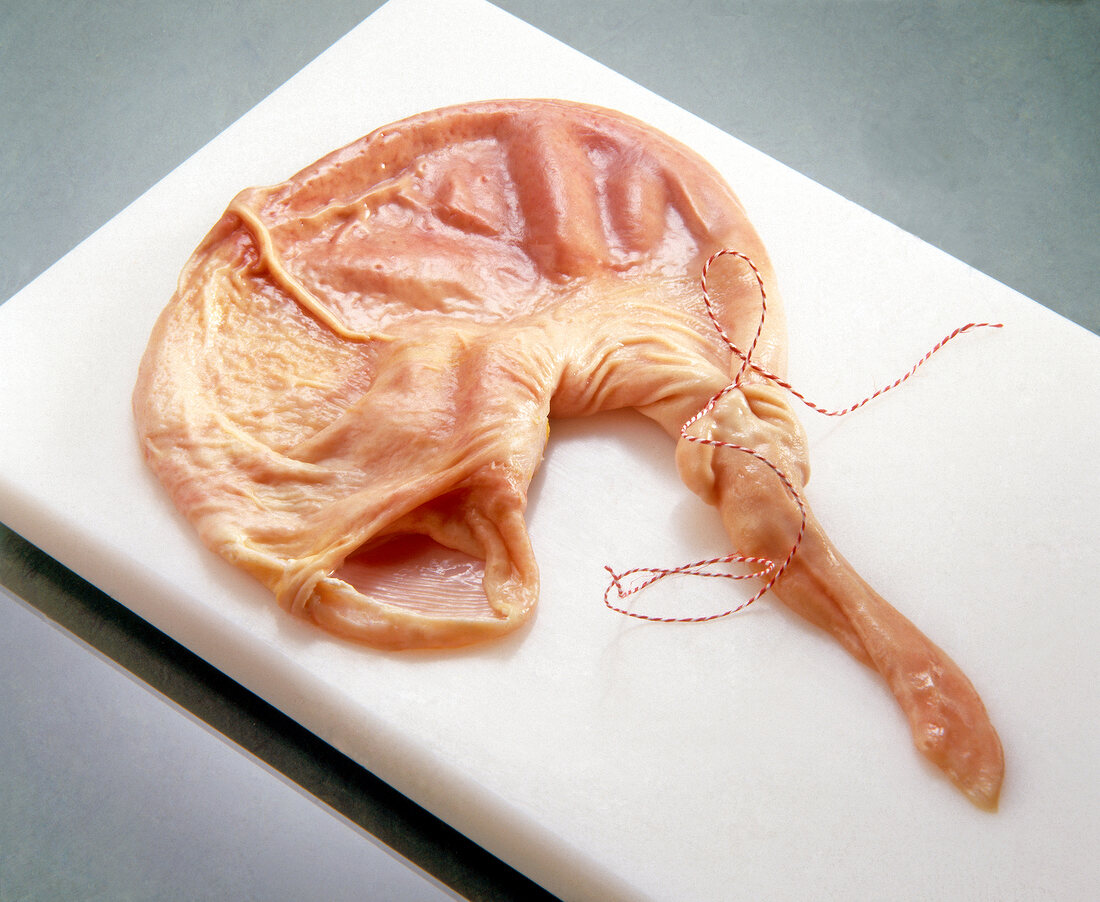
(768, 569)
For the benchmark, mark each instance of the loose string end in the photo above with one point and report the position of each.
(770, 571)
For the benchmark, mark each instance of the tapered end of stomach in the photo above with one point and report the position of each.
(970, 754)
(986, 792)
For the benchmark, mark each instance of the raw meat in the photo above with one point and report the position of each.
(349, 393)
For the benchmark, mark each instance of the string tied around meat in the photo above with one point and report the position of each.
(760, 568)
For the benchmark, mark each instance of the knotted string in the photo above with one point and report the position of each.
(767, 568)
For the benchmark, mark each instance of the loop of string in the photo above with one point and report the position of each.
(766, 568)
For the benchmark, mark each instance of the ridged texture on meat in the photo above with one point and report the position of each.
(348, 394)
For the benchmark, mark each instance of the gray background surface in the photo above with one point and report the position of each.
(974, 125)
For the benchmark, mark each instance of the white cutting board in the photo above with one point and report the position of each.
(604, 757)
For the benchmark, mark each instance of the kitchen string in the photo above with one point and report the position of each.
(765, 568)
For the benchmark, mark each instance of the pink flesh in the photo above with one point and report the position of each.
(372, 348)
(413, 572)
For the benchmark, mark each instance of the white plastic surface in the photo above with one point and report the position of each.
(603, 757)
